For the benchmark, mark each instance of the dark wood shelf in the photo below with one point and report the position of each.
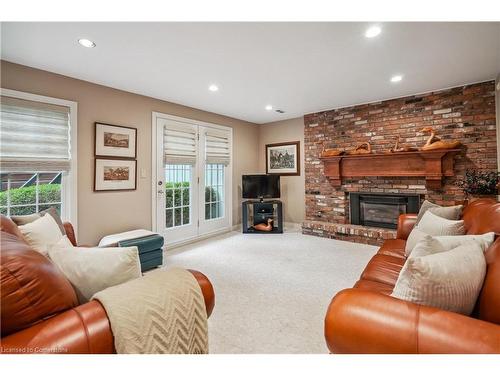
(433, 165)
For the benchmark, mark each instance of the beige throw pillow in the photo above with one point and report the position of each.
(438, 226)
(449, 242)
(26, 219)
(448, 212)
(449, 280)
(91, 270)
(42, 233)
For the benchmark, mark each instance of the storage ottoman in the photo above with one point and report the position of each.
(148, 243)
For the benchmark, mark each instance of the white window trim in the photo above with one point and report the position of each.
(154, 161)
(70, 186)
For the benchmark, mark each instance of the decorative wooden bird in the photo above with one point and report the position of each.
(265, 227)
(396, 147)
(435, 143)
(328, 152)
(363, 148)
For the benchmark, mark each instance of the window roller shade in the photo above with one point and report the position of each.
(34, 136)
(217, 147)
(179, 144)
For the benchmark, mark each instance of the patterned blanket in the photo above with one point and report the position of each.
(161, 312)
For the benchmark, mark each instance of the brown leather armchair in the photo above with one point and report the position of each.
(39, 308)
(365, 319)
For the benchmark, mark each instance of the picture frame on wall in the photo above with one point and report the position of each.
(283, 158)
(115, 141)
(115, 174)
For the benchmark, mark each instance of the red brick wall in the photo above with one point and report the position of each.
(465, 113)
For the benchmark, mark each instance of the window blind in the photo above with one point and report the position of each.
(217, 147)
(34, 136)
(179, 144)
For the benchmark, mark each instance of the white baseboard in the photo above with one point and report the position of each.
(187, 241)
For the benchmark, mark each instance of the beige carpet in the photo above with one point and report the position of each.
(272, 290)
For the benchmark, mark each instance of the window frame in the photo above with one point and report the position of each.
(69, 186)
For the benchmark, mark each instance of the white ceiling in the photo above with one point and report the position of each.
(297, 67)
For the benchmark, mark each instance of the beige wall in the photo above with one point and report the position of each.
(292, 187)
(107, 212)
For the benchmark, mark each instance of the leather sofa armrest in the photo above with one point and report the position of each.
(359, 321)
(84, 329)
(406, 222)
(207, 289)
(70, 232)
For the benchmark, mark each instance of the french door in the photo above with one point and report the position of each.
(192, 191)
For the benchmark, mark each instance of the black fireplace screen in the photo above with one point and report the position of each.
(379, 210)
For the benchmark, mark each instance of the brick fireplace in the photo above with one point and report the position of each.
(466, 113)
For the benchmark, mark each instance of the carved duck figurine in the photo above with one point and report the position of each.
(265, 227)
(328, 152)
(435, 143)
(363, 148)
(396, 147)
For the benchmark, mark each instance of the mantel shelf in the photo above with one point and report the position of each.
(433, 165)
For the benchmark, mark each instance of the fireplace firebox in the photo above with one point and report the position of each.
(381, 210)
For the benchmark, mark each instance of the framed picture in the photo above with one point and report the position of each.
(115, 141)
(115, 174)
(283, 158)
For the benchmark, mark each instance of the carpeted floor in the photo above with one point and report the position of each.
(272, 291)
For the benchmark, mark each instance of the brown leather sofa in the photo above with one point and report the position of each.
(39, 308)
(365, 319)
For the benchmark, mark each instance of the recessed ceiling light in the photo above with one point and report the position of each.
(269, 107)
(213, 88)
(373, 31)
(396, 78)
(86, 43)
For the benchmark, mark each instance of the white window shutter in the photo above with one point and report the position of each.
(179, 143)
(217, 147)
(34, 136)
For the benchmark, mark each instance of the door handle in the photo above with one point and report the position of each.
(160, 191)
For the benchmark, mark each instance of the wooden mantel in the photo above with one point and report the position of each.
(433, 165)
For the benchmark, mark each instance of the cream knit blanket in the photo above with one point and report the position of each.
(161, 312)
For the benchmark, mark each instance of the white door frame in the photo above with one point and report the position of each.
(154, 168)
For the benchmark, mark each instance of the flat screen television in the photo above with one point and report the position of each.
(259, 186)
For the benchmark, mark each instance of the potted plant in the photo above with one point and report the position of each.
(479, 183)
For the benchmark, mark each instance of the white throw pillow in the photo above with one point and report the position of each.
(449, 242)
(42, 233)
(438, 226)
(91, 270)
(449, 280)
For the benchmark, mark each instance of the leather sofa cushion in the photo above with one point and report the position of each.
(374, 286)
(488, 305)
(32, 288)
(393, 247)
(383, 269)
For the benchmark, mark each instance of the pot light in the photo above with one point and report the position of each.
(213, 88)
(396, 78)
(373, 31)
(86, 43)
(269, 107)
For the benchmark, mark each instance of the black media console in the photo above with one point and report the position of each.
(257, 212)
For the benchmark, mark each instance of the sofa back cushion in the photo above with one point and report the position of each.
(482, 216)
(32, 288)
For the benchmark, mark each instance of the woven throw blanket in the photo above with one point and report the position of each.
(161, 312)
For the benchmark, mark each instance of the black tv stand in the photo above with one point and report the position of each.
(259, 211)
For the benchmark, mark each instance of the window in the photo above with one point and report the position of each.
(37, 154)
(214, 191)
(177, 195)
(27, 193)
